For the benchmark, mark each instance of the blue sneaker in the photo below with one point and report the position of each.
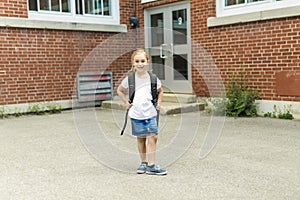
(142, 168)
(155, 170)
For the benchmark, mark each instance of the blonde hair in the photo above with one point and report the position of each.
(137, 52)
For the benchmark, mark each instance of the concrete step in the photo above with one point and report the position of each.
(179, 98)
(170, 108)
(167, 108)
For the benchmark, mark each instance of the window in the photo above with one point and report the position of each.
(90, 11)
(52, 5)
(238, 2)
(235, 7)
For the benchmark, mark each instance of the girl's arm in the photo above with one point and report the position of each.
(160, 97)
(121, 93)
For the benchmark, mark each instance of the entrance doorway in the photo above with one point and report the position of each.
(167, 40)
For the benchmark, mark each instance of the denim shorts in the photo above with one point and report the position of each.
(144, 127)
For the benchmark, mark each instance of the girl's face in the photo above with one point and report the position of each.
(140, 62)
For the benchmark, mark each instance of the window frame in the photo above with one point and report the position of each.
(113, 19)
(224, 11)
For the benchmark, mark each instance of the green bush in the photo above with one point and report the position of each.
(240, 97)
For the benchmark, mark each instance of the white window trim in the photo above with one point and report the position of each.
(39, 24)
(223, 11)
(146, 1)
(255, 16)
(114, 19)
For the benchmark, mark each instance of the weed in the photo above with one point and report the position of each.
(17, 112)
(36, 109)
(278, 113)
(218, 106)
(3, 112)
(241, 98)
(53, 108)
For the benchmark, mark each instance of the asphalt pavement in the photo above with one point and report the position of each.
(79, 154)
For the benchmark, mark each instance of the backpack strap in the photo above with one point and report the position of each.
(154, 92)
(131, 86)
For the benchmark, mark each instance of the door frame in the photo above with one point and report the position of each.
(177, 86)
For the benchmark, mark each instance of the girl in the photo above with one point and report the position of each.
(143, 113)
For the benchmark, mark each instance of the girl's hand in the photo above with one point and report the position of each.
(128, 105)
(158, 106)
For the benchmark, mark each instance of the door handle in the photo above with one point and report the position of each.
(161, 51)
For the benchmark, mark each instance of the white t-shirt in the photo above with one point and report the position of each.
(142, 107)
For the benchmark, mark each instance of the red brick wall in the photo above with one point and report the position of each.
(261, 48)
(41, 65)
(13, 8)
(128, 9)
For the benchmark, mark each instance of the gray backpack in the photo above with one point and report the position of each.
(131, 88)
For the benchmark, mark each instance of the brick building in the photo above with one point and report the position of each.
(195, 46)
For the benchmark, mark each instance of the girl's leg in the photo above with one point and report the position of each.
(142, 148)
(151, 148)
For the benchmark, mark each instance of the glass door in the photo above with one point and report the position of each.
(167, 41)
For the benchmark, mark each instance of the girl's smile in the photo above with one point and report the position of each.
(140, 63)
